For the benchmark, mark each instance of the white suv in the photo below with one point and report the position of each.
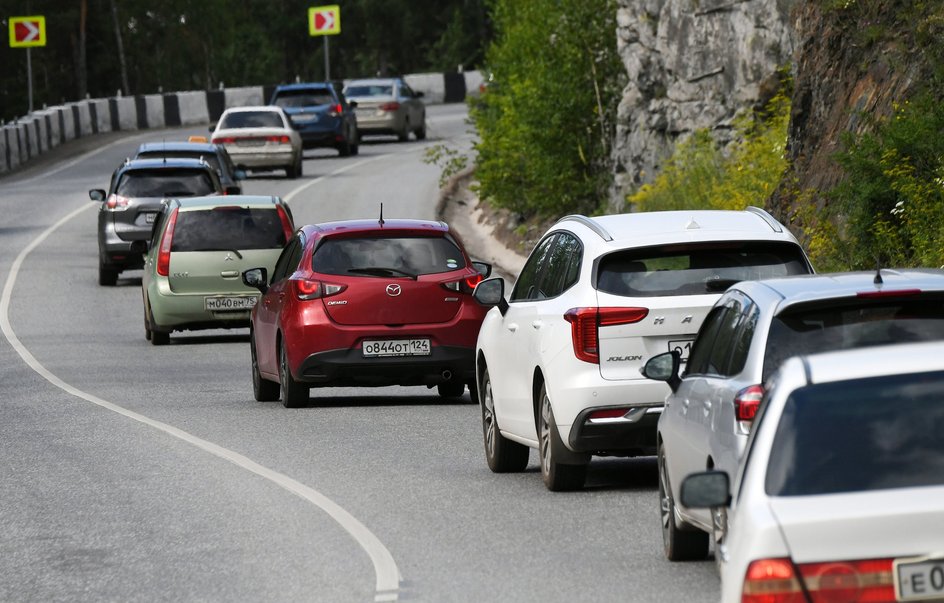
(558, 364)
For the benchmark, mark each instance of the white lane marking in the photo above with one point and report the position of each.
(387, 584)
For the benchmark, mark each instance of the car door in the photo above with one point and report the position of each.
(512, 357)
(269, 309)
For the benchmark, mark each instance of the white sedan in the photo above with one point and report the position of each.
(260, 138)
(840, 493)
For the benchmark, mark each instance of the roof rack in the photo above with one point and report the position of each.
(766, 217)
(589, 223)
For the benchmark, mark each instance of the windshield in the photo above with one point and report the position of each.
(165, 183)
(303, 98)
(696, 269)
(866, 434)
(222, 228)
(371, 90)
(403, 255)
(854, 323)
(252, 119)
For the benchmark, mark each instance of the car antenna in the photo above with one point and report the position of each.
(381, 215)
(164, 148)
(878, 272)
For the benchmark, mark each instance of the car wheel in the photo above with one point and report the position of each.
(291, 171)
(262, 389)
(502, 455)
(404, 134)
(558, 477)
(294, 394)
(679, 545)
(452, 389)
(107, 276)
(147, 318)
(355, 147)
(150, 333)
(160, 338)
(473, 392)
(421, 131)
(344, 149)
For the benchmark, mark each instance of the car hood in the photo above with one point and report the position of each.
(862, 525)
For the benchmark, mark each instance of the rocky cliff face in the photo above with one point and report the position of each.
(692, 64)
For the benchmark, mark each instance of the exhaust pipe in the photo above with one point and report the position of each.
(447, 375)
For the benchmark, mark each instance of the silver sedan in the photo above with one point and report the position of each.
(260, 138)
(387, 106)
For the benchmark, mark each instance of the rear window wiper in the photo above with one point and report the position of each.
(717, 285)
(382, 271)
(236, 251)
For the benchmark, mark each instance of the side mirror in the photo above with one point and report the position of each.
(664, 367)
(97, 194)
(257, 278)
(491, 292)
(483, 268)
(234, 190)
(352, 104)
(706, 490)
(140, 246)
(211, 128)
(239, 174)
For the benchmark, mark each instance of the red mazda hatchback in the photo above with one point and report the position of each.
(366, 303)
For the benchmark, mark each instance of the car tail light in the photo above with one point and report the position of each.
(224, 140)
(117, 202)
(336, 110)
(390, 106)
(780, 581)
(607, 414)
(163, 253)
(279, 139)
(747, 401)
(585, 324)
(287, 227)
(306, 289)
(465, 285)
(772, 581)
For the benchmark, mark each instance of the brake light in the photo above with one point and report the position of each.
(336, 110)
(224, 140)
(287, 227)
(466, 285)
(607, 414)
(747, 401)
(585, 323)
(163, 253)
(779, 581)
(772, 581)
(279, 139)
(390, 106)
(117, 202)
(306, 289)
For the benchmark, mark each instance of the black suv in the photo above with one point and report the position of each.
(214, 154)
(321, 114)
(134, 197)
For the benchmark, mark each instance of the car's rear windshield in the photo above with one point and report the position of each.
(252, 119)
(387, 256)
(696, 268)
(210, 158)
(166, 182)
(853, 323)
(226, 228)
(852, 436)
(303, 98)
(372, 90)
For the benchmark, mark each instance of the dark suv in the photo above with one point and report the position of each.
(321, 114)
(134, 196)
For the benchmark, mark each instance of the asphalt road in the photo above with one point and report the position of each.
(135, 473)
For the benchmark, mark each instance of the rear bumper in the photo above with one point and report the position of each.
(261, 159)
(187, 312)
(632, 435)
(115, 252)
(349, 367)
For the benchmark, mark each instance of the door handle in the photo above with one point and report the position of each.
(537, 324)
(512, 327)
(229, 273)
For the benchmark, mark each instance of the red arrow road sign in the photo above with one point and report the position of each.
(27, 31)
(324, 20)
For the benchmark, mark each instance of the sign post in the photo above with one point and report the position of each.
(26, 32)
(325, 21)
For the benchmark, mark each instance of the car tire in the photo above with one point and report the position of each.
(262, 389)
(147, 318)
(152, 335)
(160, 338)
(501, 454)
(294, 394)
(473, 392)
(679, 544)
(451, 389)
(404, 134)
(558, 477)
(107, 276)
(421, 131)
(344, 149)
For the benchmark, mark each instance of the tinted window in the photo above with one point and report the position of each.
(388, 255)
(867, 434)
(165, 183)
(372, 90)
(288, 260)
(742, 344)
(228, 228)
(855, 323)
(303, 98)
(563, 266)
(696, 269)
(252, 119)
(705, 340)
(724, 341)
(526, 287)
(210, 158)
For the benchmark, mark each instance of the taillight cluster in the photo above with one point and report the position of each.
(465, 285)
(336, 110)
(585, 324)
(163, 252)
(781, 581)
(280, 139)
(307, 289)
(287, 228)
(117, 202)
(747, 401)
(390, 106)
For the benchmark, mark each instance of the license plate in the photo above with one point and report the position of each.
(250, 142)
(682, 346)
(222, 304)
(397, 347)
(919, 579)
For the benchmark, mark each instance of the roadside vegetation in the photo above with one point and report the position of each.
(546, 119)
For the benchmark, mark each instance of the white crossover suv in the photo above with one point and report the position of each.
(558, 363)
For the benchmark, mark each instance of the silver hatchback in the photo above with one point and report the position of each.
(749, 332)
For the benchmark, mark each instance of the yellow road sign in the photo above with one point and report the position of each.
(27, 31)
(324, 20)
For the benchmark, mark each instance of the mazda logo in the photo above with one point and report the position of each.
(393, 290)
